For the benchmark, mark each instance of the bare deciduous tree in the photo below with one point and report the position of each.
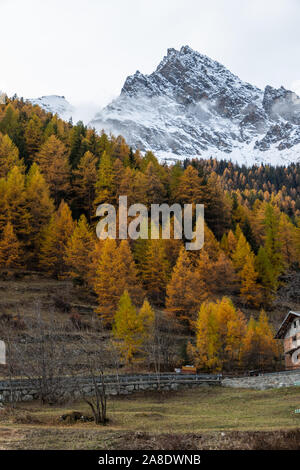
(94, 355)
(41, 355)
(159, 348)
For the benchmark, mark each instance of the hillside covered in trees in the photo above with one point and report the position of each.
(54, 174)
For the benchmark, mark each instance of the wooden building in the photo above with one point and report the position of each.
(289, 331)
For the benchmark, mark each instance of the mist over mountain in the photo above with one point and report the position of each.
(59, 105)
(193, 106)
(56, 105)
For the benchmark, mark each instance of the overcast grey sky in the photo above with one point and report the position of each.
(85, 49)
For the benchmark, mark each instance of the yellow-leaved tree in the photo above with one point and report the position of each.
(132, 328)
(205, 353)
(220, 329)
(156, 270)
(260, 349)
(85, 177)
(53, 159)
(242, 250)
(40, 207)
(250, 289)
(79, 251)
(185, 291)
(33, 136)
(104, 186)
(115, 272)
(10, 251)
(13, 206)
(128, 328)
(9, 156)
(54, 241)
(189, 189)
(147, 318)
(287, 236)
(244, 262)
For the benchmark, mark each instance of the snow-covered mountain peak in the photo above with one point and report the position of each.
(192, 106)
(55, 104)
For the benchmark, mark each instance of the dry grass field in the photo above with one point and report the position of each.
(206, 418)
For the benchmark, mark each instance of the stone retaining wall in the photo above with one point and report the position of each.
(26, 390)
(264, 381)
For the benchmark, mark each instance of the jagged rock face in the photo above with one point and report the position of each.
(193, 106)
(282, 103)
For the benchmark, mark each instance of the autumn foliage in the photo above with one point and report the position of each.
(224, 341)
(53, 174)
(132, 327)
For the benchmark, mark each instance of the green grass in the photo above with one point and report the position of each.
(205, 410)
(209, 409)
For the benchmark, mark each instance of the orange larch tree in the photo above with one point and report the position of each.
(53, 159)
(10, 249)
(85, 177)
(115, 272)
(40, 207)
(54, 241)
(184, 291)
(9, 156)
(156, 271)
(260, 349)
(79, 251)
(220, 329)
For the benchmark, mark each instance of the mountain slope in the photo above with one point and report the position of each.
(55, 104)
(193, 106)
(2, 97)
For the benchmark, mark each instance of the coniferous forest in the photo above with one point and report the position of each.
(53, 175)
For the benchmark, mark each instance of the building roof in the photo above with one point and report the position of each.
(285, 324)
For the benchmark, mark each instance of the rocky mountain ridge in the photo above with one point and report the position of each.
(193, 106)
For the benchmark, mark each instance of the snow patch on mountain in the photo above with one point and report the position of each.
(56, 105)
(243, 154)
(59, 105)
